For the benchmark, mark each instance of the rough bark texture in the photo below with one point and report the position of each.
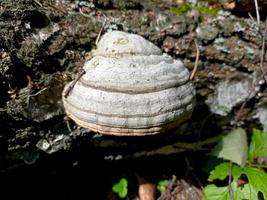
(43, 45)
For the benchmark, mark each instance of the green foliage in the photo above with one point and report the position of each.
(121, 188)
(184, 8)
(181, 9)
(206, 10)
(258, 145)
(233, 147)
(257, 180)
(247, 181)
(162, 185)
(213, 192)
(221, 171)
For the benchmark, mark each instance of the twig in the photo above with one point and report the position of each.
(102, 28)
(66, 119)
(39, 92)
(196, 62)
(257, 11)
(263, 50)
(250, 16)
(37, 2)
(190, 170)
(167, 194)
(33, 95)
(71, 86)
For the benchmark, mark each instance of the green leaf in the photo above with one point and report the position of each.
(121, 188)
(257, 180)
(258, 145)
(212, 192)
(244, 192)
(222, 170)
(162, 185)
(233, 147)
(248, 192)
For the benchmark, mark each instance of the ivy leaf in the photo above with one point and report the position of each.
(248, 192)
(212, 192)
(244, 192)
(222, 170)
(258, 145)
(233, 147)
(257, 180)
(121, 188)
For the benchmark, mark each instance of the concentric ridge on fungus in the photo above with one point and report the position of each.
(130, 88)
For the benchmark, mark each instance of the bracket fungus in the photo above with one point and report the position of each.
(130, 88)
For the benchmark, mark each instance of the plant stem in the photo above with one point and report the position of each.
(230, 189)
